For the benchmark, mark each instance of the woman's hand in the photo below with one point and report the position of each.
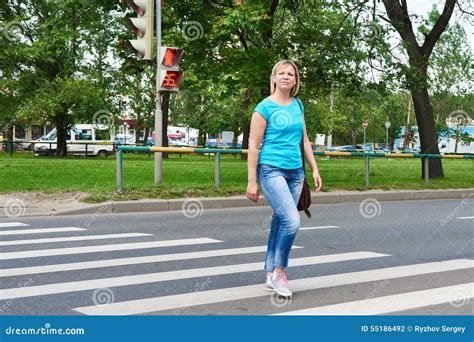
(318, 183)
(252, 192)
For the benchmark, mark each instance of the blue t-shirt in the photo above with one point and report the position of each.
(282, 136)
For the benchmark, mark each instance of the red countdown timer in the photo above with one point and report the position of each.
(170, 79)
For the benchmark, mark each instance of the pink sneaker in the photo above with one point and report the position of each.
(279, 283)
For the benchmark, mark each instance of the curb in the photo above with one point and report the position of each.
(242, 201)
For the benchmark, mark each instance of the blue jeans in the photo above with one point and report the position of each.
(282, 190)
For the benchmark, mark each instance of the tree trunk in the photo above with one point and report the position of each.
(202, 138)
(427, 131)
(236, 137)
(353, 129)
(147, 133)
(165, 105)
(61, 146)
(417, 76)
(9, 133)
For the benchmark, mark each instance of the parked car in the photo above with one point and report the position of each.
(411, 150)
(150, 142)
(16, 146)
(347, 148)
(171, 143)
(30, 146)
(124, 139)
(177, 143)
(97, 138)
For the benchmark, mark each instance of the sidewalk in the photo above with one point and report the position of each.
(30, 204)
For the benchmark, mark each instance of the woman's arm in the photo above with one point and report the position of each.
(309, 157)
(257, 129)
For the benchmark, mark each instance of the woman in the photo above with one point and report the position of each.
(279, 121)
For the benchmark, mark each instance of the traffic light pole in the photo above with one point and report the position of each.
(158, 111)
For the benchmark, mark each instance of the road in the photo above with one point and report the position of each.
(392, 258)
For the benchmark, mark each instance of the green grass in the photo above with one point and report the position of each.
(192, 176)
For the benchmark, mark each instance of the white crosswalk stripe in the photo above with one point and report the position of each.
(312, 228)
(142, 306)
(71, 238)
(173, 275)
(104, 248)
(131, 261)
(39, 231)
(390, 304)
(319, 227)
(13, 224)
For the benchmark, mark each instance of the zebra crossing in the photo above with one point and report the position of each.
(51, 263)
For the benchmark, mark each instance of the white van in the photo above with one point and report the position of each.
(96, 139)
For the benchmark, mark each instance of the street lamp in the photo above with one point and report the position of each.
(365, 124)
(387, 126)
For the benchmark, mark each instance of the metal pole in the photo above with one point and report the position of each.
(217, 175)
(119, 172)
(158, 112)
(11, 149)
(386, 140)
(366, 172)
(365, 129)
(427, 169)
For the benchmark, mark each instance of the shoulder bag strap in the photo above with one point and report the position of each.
(302, 135)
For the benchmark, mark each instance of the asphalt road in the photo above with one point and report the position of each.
(391, 258)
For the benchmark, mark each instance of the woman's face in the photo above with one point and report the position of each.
(285, 78)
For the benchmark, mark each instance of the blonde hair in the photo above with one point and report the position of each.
(276, 68)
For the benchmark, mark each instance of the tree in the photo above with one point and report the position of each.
(416, 72)
(45, 61)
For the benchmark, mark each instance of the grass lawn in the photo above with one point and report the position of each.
(192, 176)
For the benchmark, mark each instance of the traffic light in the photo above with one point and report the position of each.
(170, 75)
(143, 28)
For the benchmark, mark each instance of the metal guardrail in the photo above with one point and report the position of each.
(218, 152)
